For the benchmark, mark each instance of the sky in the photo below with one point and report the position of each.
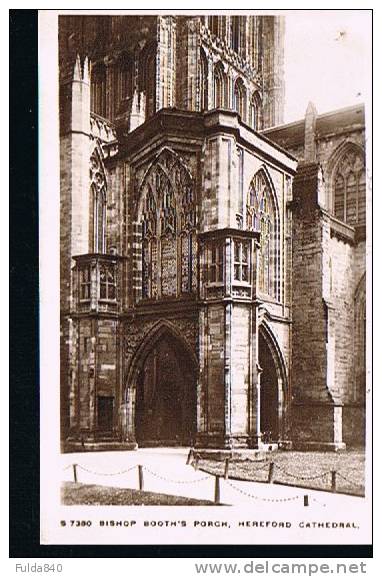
(327, 60)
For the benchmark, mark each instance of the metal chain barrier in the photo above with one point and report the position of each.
(349, 481)
(302, 478)
(265, 466)
(107, 474)
(176, 481)
(284, 500)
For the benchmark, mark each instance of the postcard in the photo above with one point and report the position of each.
(205, 282)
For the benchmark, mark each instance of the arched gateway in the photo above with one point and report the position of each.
(160, 393)
(272, 388)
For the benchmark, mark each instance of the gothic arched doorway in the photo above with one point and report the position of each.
(271, 392)
(165, 400)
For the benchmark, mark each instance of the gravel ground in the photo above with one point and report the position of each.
(80, 494)
(301, 469)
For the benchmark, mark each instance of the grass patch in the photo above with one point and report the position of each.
(81, 494)
(299, 469)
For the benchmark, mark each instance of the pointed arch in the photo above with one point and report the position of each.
(220, 87)
(159, 398)
(273, 385)
(255, 108)
(262, 215)
(147, 74)
(98, 89)
(98, 201)
(203, 81)
(347, 183)
(124, 78)
(155, 334)
(277, 354)
(163, 159)
(240, 98)
(167, 214)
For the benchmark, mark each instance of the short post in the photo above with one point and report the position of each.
(75, 473)
(271, 472)
(306, 500)
(196, 462)
(140, 477)
(190, 455)
(334, 481)
(226, 468)
(217, 490)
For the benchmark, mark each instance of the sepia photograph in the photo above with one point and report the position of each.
(213, 379)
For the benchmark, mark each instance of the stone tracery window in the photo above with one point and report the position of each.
(349, 188)
(254, 111)
(220, 87)
(235, 33)
(215, 262)
(98, 194)
(124, 79)
(107, 282)
(240, 98)
(241, 262)
(203, 82)
(98, 90)
(147, 78)
(168, 220)
(85, 282)
(262, 217)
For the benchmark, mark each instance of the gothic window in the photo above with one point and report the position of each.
(98, 193)
(168, 220)
(147, 78)
(262, 217)
(168, 235)
(254, 112)
(349, 188)
(220, 87)
(85, 282)
(107, 282)
(203, 82)
(240, 98)
(215, 263)
(241, 261)
(149, 256)
(98, 90)
(187, 233)
(124, 79)
(235, 33)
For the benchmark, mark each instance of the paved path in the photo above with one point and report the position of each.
(165, 471)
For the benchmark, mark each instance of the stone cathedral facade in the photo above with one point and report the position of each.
(212, 257)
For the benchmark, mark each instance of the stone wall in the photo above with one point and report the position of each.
(342, 298)
(241, 368)
(308, 312)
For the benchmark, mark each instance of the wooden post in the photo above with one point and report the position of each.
(190, 455)
(306, 500)
(75, 473)
(226, 469)
(217, 490)
(140, 477)
(196, 462)
(334, 481)
(271, 472)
